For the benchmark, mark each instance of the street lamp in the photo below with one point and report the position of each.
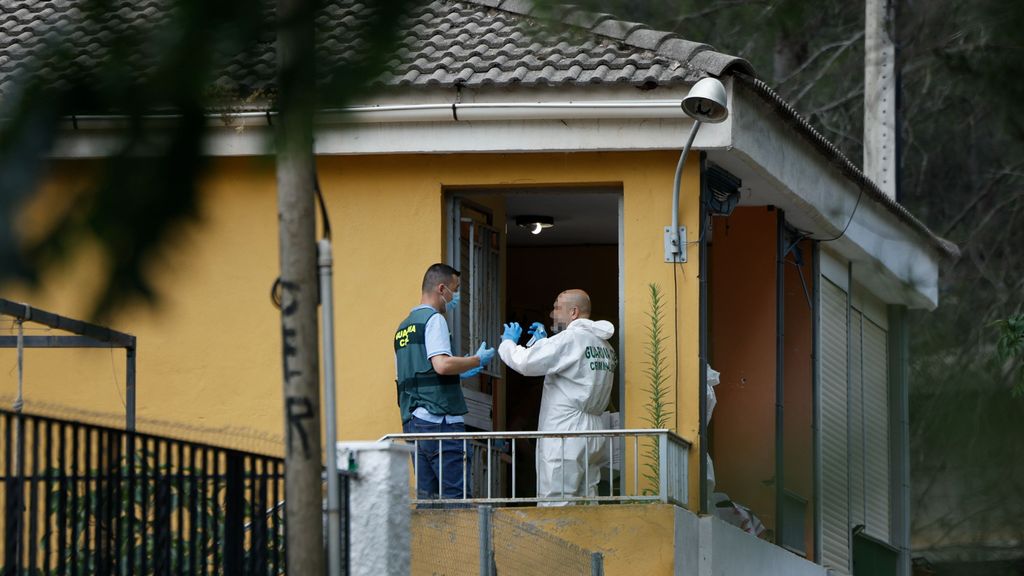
(706, 103)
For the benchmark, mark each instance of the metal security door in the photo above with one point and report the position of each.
(474, 248)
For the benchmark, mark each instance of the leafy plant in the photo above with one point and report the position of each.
(659, 404)
(1010, 348)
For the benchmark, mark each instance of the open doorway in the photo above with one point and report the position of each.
(581, 249)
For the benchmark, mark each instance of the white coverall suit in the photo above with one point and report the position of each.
(578, 366)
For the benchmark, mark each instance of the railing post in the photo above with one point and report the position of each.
(234, 514)
(685, 457)
(12, 499)
(379, 523)
(596, 564)
(663, 466)
(344, 521)
(486, 545)
(129, 387)
(162, 526)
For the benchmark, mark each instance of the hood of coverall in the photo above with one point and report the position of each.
(603, 329)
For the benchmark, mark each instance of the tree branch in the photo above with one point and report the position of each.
(810, 60)
(989, 188)
(821, 73)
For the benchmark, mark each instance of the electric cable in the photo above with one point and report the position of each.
(803, 283)
(275, 288)
(675, 347)
(326, 221)
(843, 233)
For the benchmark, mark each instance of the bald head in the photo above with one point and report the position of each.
(579, 299)
(569, 306)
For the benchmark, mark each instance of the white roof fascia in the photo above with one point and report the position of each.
(893, 260)
(449, 121)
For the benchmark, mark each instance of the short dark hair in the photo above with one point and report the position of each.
(437, 274)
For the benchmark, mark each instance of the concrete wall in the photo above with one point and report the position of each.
(735, 553)
(635, 539)
(648, 539)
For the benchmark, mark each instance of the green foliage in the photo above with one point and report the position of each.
(1010, 348)
(659, 404)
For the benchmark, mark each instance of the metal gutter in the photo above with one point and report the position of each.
(400, 113)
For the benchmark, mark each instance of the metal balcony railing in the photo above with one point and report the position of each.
(656, 460)
(77, 498)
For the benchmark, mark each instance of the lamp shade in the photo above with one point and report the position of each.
(706, 102)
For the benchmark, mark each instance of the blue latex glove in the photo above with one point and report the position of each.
(512, 332)
(471, 372)
(484, 353)
(537, 331)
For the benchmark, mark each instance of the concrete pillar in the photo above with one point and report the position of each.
(379, 511)
(880, 96)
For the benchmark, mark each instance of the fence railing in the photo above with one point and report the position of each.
(636, 465)
(84, 499)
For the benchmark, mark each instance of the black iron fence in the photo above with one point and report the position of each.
(82, 499)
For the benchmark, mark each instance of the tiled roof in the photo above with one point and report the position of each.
(442, 43)
(480, 42)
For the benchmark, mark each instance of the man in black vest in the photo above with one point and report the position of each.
(429, 394)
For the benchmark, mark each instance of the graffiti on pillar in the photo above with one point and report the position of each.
(289, 305)
(299, 409)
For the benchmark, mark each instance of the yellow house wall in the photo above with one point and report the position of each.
(634, 539)
(209, 355)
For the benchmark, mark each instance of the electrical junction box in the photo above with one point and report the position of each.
(670, 254)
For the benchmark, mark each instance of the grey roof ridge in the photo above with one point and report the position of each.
(633, 34)
(844, 164)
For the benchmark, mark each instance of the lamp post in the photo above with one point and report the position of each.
(706, 103)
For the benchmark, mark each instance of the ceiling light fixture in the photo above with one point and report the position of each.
(535, 223)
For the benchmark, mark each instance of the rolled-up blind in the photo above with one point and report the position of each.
(835, 506)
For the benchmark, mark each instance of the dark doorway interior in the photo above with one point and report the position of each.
(580, 251)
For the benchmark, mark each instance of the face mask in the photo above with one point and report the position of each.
(453, 304)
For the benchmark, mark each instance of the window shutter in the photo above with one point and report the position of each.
(856, 423)
(876, 431)
(835, 531)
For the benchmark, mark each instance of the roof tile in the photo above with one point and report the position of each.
(443, 43)
(617, 29)
(681, 50)
(715, 63)
(584, 19)
(523, 7)
(647, 38)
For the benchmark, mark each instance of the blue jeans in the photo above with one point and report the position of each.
(430, 469)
